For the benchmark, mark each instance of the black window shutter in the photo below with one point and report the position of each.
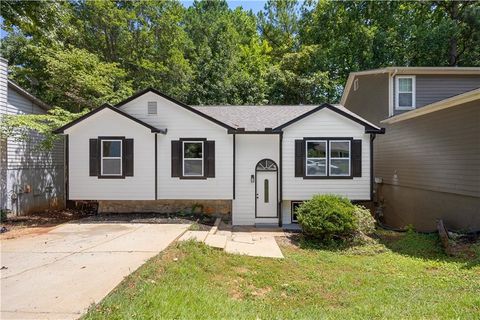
(357, 158)
(176, 158)
(94, 157)
(128, 157)
(209, 159)
(299, 158)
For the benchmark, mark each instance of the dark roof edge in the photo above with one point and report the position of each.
(29, 96)
(368, 127)
(181, 104)
(108, 106)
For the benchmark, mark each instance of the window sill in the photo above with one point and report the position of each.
(404, 108)
(326, 177)
(111, 177)
(193, 178)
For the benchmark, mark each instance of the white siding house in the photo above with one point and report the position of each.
(31, 179)
(253, 160)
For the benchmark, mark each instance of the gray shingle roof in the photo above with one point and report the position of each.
(257, 118)
(254, 118)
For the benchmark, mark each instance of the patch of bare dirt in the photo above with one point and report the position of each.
(37, 222)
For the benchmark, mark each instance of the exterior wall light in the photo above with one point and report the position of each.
(252, 178)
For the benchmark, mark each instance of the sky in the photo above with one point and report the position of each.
(254, 5)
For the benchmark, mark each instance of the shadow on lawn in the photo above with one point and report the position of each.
(412, 244)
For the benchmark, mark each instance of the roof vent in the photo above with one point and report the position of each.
(152, 107)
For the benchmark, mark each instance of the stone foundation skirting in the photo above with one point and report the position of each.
(217, 208)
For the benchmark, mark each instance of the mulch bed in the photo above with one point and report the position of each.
(152, 218)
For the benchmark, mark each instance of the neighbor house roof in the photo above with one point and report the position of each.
(108, 106)
(436, 106)
(273, 117)
(409, 71)
(28, 95)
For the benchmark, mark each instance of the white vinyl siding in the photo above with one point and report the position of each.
(184, 124)
(25, 164)
(109, 123)
(405, 92)
(324, 123)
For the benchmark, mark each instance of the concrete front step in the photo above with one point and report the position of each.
(199, 236)
(216, 241)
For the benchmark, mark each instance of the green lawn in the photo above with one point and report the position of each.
(406, 276)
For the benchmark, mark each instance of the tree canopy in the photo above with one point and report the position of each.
(79, 54)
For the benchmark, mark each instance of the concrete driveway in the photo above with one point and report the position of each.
(58, 275)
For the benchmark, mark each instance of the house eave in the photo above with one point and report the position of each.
(108, 106)
(436, 106)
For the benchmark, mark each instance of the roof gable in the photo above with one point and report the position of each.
(110, 107)
(179, 103)
(408, 71)
(28, 95)
(369, 127)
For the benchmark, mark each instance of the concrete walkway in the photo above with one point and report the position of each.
(58, 275)
(251, 241)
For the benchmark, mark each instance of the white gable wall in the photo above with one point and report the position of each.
(109, 123)
(182, 123)
(324, 123)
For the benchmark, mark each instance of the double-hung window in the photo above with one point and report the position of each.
(111, 157)
(405, 92)
(316, 157)
(192, 158)
(339, 159)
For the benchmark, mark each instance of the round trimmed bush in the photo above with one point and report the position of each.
(326, 216)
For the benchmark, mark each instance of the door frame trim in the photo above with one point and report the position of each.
(255, 194)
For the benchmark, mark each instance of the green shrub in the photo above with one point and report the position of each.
(327, 216)
(331, 216)
(364, 220)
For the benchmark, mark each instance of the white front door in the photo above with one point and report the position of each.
(266, 194)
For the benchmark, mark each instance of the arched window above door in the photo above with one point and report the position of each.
(266, 165)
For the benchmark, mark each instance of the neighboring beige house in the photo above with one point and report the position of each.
(30, 179)
(428, 162)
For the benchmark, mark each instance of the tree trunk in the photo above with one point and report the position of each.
(453, 52)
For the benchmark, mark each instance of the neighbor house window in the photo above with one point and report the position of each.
(405, 92)
(192, 158)
(152, 107)
(339, 159)
(111, 157)
(316, 158)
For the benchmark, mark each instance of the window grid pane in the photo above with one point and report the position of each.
(405, 85)
(193, 150)
(316, 158)
(193, 158)
(339, 162)
(111, 155)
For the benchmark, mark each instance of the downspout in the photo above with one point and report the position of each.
(372, 138)
(66, 169)
(234, 148)
(280, 184)
(156, 167)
